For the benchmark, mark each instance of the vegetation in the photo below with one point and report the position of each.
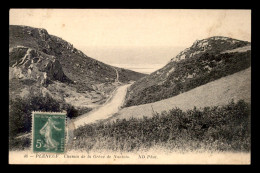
(20, 112)
(15, 56)
(73, 112)
(83, 110)
(188, 74)
(76, 65)
(225, 128)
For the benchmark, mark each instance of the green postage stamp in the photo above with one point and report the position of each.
(48, 132)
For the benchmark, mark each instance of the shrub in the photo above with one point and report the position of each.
(225, 128)
(20, 111)
(177, 82)
(71, 111)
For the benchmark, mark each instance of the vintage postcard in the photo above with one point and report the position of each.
(129, 86)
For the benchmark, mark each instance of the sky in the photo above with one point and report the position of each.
(137, 36)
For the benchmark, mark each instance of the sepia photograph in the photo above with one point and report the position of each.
(130, 86)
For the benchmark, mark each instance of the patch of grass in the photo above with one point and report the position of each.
(203, 68)
(73, 112)
(83, 110)
(28, 82)
(76, 66)
(20, 112)
(225, 128)
(20, 143)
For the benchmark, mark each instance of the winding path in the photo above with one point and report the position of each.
(105, 111)
(117, 75)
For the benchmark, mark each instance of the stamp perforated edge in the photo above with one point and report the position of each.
(65, 129)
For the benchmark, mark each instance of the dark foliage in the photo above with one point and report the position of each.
(72, 112)
(188, 74)
(225, 128)
(20, 111)
(20, 115)
(82, 111)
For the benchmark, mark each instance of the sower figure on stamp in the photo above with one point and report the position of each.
(46, 130)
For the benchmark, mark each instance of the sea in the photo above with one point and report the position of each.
(142, 68)
(140, 59)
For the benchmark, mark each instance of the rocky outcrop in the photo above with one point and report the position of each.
(75, 64)
(215, 44)
(205, 61)
(40, 62)
(27, 63)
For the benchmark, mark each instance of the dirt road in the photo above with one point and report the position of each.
(105, 111)
(236, 86)
(117, 75)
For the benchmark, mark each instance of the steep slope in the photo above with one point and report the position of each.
(35, 65)
(76, 65)
(205, 61)
(48, 64)
(217, 93)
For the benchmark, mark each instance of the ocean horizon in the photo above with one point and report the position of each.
(142, 68)
(140, 59)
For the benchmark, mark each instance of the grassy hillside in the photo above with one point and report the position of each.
(76, 65)
(236, 86)
(198, 68)
(48, 64)
(225, 128)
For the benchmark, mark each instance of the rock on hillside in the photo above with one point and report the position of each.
(43, 63)
(233, 87)
(210, 45)
(75, 64)
(35, 65)
(205, 61)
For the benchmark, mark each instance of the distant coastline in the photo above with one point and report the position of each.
(142, 68)
(141, 59)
